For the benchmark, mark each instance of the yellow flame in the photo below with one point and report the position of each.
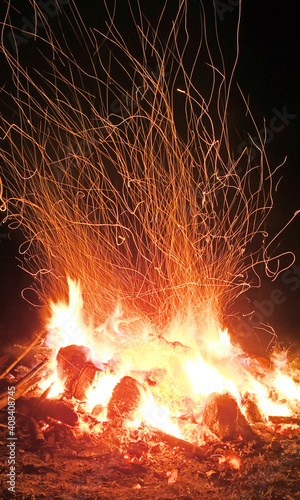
(101, 393)
(155, 415)
(287, 387)
(66, 326)
(212, 365)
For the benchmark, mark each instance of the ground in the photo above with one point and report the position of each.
(91, 465)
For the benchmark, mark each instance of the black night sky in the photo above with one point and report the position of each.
(268, 73)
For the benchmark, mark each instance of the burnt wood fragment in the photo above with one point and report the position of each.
(173, 441)
(125, 399)
(37, 436)
(284, 420)
(251, 409)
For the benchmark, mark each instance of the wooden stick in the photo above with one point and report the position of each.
(22, 385)
(22, 390)
(174, 441)
(27, 350)
(284, 420)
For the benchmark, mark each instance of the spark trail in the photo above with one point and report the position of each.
(148, 218)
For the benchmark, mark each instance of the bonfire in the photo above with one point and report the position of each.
(142, 230)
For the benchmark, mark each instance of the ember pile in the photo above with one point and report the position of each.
(107, 428)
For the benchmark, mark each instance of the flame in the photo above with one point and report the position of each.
(66, 326)
(212, 365)
(287, 387)
(101, 393)
(206, 378)
(158, 248)
(157, 416)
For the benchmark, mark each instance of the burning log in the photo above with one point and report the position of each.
(181, 443)
(224, 418)
(58, 410)
(76, 370)
(251, 409)
(125, 400)
(284, 420)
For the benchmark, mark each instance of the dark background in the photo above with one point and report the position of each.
(269, 75)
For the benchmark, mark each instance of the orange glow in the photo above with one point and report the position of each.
(235, 462)
(137, 486)
(287, 387)
(142, 232)
(213, 365)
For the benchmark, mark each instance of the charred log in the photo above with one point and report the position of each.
(58, 410)
(224, 418)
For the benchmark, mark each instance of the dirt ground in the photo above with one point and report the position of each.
(99, 464)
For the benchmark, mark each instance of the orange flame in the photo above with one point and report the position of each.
(214, 365)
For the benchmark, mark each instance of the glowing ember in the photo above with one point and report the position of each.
(233, 460)
(172, 476)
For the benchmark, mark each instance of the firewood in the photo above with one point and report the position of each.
(284, 420)
(251, 409)
(26, 351)
(84, 380)
(56, 409)
(59, 410)
(23, 385)
(76, 369)
(173, 441)
(224, 418)
(124, 400)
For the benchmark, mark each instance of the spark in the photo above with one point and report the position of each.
(158, 222)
